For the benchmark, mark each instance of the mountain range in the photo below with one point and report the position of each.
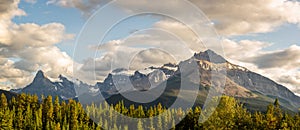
(253, 90)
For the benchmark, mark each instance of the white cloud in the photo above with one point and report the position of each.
(13, 75)
(33, 35)
(152, 47)
(151, 57)
(244, 48)
(25, 48)
(229, 17)
(8, 10)
(86, 6)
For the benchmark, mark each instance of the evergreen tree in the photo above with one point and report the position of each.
(3, 101)
(47, 112)
(25, 112)
(28, 122)
(6, 119)
(18, 122)
(56, 110)
(270, 118)
(73, 115)
(277, 113)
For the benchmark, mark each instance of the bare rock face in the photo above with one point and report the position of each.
(243, 82)
(263, 85)
(41, 85)
(210, 56)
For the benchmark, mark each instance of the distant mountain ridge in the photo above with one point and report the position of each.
(249, 87)
(41, 85)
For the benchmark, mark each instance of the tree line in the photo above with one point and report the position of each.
(27, 112)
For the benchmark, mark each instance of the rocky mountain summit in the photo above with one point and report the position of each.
(249, 87)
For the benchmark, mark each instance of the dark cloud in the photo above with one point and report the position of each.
(288, 58)
(292, 81)
(5, 5)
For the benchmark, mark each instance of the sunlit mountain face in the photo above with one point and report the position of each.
(252, 89)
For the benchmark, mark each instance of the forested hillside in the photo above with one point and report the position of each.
(27, 112)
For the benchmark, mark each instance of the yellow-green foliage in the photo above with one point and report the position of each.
(27, 112)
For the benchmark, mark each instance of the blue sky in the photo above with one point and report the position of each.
(282, 37)
(41, 13)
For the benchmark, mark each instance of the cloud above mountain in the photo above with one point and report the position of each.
(143, 49)
(279, 65)
(249, 53)
(27, 47)
(288, 58)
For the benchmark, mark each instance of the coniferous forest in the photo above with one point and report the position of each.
(28, 113)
